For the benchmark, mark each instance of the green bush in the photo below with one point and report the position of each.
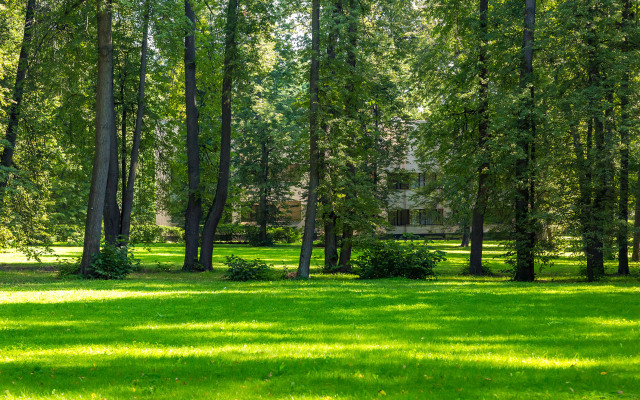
(253, 237)
(389, 259)
(285, 234)
(241, 270)
(145, 233)
(152, 233)
(113, 262)
(70, 234)
(229, 232)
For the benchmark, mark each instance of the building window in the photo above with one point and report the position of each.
(423, 217)
(399, 217)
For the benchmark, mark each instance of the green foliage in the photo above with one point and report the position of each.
(113, 262)
(242, 270)
(285, 234)
(390, 259)
(229, 232)
(252, 235)
(152, 233)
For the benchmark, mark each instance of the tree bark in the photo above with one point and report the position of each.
(480, 207)
(351, 108)
(194, 204)
(217, 208)
(127, 197)
(465, 234)
(105, 125)
(312, 199)
(263, 207)
(6, 160)
(623, 206)
(524, 224)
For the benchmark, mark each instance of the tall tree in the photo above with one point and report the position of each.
(105, 126)
(312, 195)
(480, 206)
(127, 197)
(6, 160)
(194, 205)
(217, 208)
(623, 205)
(524, 223)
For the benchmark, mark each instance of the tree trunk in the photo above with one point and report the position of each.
(636, 223)
(263, 207)
(346, 247)
(524, 224)
(465, 234)
(623, 206)
(480, 207)
(312, 199)
(326, 199)
(330, 241)
(6, 160)
(222, 188)
(123, 159)
(351, 109)
(127, 197)
(194, 205)
(105, 125)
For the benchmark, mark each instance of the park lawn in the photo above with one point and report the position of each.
(167, 335)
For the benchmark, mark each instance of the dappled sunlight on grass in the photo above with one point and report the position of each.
(168, 335)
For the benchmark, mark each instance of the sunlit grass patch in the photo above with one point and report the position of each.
(308, 340)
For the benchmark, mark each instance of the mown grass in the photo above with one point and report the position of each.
(168, 335)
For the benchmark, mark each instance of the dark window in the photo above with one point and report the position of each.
(427, 217)
(399, 217)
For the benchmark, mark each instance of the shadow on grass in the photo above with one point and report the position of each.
(311, 340)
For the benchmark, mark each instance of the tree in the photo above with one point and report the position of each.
(127, 198)
(105, 128)
(194, 205)
(6, 159)
(217, 208)
(480, 206)
(525, 232)
(312, 195)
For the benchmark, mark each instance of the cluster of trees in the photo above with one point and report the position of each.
(530, 114)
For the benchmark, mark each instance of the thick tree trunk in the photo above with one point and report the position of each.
(524, 224)
(194, 205)
(6, 160)
(105, 125)
(127, 196)
(312, 199)
(222, 188)
(623, 206)
(480, 207)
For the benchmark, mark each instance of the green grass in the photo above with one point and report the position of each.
(167, 335)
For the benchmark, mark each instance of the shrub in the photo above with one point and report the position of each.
(145, 233)
(253, 237)
(242, 270)
(113, 262)
(229, 232)
(71, 234)
(152, 233)
(285, 234)
(389, 259)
